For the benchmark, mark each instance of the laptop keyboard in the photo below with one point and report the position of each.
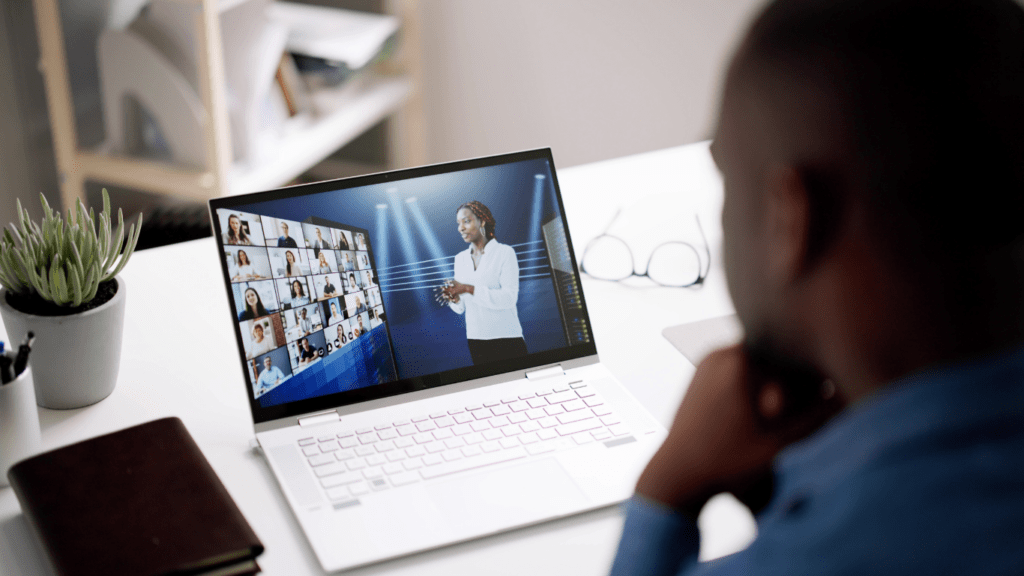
(354, 462)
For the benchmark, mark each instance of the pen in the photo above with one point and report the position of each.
(22, 358)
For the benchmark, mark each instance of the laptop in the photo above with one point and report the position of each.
(418, 358)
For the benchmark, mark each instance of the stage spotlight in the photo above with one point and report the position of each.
(426, 232)
(381, 249)
(539, 188)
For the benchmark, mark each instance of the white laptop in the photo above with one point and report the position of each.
(394, 420)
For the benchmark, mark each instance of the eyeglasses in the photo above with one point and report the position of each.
(674, 264)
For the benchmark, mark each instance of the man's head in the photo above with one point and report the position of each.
(877, 140)
(266, 361)
(284, 229)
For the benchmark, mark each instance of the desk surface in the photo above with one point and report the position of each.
(179, 358)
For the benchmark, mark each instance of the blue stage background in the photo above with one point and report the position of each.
(414, 238)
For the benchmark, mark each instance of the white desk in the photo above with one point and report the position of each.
(180, 358)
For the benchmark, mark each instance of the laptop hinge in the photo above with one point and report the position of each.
(545, 373)
(322, 418)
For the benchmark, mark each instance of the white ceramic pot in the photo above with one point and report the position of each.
(74, 358)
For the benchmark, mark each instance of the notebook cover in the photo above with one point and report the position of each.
(143, 500)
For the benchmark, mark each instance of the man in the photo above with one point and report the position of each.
(319, 244)
(873, 160)
(285, 241)
(270, 377)
(305, 324)
(306, 353)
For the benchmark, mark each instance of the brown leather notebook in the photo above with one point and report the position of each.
(140, 501)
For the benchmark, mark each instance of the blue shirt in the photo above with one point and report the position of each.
(924, 477)
(269, 377)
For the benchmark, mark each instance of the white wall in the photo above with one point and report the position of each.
(593, 79)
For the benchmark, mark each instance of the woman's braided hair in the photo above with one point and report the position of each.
(483, 214)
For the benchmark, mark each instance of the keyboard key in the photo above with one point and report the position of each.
(356, 464)
(392, 468)
(469, 451)
(471, 463)
(547, 434)
(573, 405)
(364, 430)
(461, 429)
(380, 427)
(413, 464)
(500, 410)
(374, 472)
(385, 446)
(345, 454)
(499, 421)
(527, 396)
(601, 410)
(339, 494)
(490, 446)
(435, 447)
(432, 459)
(438, 414)
(346, 434)
(311, 450)
(541, 448)
(378, 484)
(491, 403)
(552, 410)
(601, 434)
(367, 438)
(560, 397)
(327, 438)
(401, 423)
(329, 470)
(492, 434)
(387, 434)
(593, 401)
(359, 488)
(455, 442)
(511, 430)
(480, 426)
(307, 441)
(420, 419)
(536, 413)
(610, 419)
(444, 422)
(473, 407)
(443, 433)
(328, 447)
(574, 417)
(529, 438)
(575, 427)
(509, 399)
(577, 384)
(517, 418)
(463, 418)
(341, 479)
(365, 450)
(404, 442)
(395, 455)
(583, 438)
(321, 459)
(561, 388)
(423, 437)
(474, 438)
(543, 392)
(618, 430)
(586, 393)
(455, 411)
(426, 426)
(529, 426)
(376, 460)
(348, 442)
(519, 406)
(407, 430)
(508, 442)
(481, 414)
(548, 422)
(404, 478)
(537, 402)
(451, 455)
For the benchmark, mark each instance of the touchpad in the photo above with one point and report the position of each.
(510, 496)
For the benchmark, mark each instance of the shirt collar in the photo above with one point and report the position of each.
(943, 398)
(472, 247)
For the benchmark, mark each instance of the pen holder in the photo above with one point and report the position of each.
(19, 422)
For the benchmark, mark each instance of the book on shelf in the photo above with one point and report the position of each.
(143, 500)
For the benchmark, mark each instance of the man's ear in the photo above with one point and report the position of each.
(787, 221)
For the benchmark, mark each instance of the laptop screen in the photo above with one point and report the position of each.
(362, 288)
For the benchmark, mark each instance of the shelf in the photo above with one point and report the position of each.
(351, 111)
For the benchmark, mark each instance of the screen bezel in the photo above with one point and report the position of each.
(402, 386)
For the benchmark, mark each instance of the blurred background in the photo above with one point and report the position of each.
(169, 102)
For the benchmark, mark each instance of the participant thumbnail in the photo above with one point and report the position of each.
(288, 263)
(326, 286)
(317, 237)
(245, 264)
(269, 371)
(342, 239)
(346, 261)
(323, 262)
(360, 241)
(352, 283)
(307, 351)
(375, 316)
(301, 322)
(362, 260)
(241, 228)
(262, 335)
(294, 292)
(355, 304)
(373, 296)
(288, 233)
(361, 324)
(333, 311)
(366, 279)
(254, 299)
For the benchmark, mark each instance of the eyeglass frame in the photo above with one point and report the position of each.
(702, 274)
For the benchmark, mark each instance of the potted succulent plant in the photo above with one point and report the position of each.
(60, 282)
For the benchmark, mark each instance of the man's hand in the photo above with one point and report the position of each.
(731, 424)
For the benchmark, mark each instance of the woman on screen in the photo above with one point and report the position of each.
(235, 235)
(342, 242)
(290, 268)
(325, 268)
(253, 306)
(260, 343)
(486, 288)
(244, 267)
(299, 297)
